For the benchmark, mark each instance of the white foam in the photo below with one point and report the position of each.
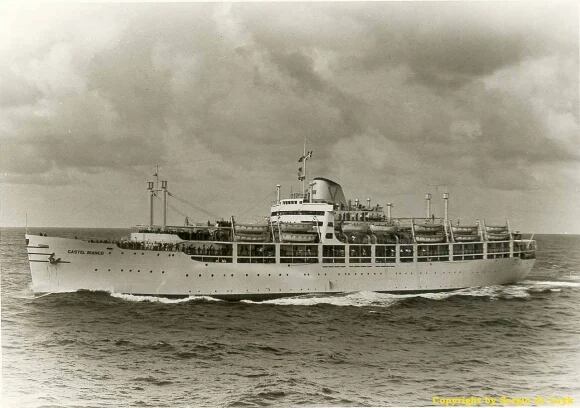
(160, 299)
(357, 299)
(556, 284)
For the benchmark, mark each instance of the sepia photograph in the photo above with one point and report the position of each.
(290, 204)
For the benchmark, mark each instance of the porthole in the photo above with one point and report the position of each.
(232, 275)
(121, 270)
(108, 270)
(150, 271)
(212, 275)
(157, 254)
(187, 275)
(138, 270)
(162, 271)
(96, 269)
(200, 275)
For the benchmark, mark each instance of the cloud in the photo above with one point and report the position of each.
(408, 94)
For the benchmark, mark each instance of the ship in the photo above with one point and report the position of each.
(312, 242)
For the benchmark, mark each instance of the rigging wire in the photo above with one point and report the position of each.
(198, 208)
(173, 208)
(253, 205)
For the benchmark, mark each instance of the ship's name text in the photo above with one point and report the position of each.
(81, 252)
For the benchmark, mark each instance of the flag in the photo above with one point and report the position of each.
(301, 159)
(300, 175)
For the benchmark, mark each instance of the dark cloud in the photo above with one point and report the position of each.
(479, 94)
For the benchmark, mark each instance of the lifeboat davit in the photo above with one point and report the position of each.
(430, 239)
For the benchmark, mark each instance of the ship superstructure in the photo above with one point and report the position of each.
(314, 241)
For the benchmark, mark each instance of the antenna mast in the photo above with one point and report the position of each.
(302, 169)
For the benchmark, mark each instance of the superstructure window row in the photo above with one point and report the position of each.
(276, 213)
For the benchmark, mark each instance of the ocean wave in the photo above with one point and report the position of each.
(377, 299)
(161, 299)
(358, 299)
(521, 290)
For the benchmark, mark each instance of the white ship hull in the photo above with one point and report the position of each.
(67, 265)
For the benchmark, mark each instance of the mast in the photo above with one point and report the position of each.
(302, 169)
(150, 186)
(164, 189)
(304, 174)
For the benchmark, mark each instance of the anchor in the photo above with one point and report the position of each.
(53, 260)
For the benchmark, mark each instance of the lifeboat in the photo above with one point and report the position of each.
(430, 239)
(465, 238)
(383, 229)
(464, 229)
(251, 237)
(502, 236)
(351, 228)
(250, 228)
(296, 227)
(303, 238)
(428, 227)
(496, 228)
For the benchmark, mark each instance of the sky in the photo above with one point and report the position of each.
(395, 99)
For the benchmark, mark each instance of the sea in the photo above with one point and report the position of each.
(96, 349)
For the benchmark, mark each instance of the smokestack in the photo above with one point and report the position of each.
(164, 188)
(389, 206)
(277, 193)
(356, 203)
(428, 202)
(446, 203)
(151, 197)
(369, 203)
